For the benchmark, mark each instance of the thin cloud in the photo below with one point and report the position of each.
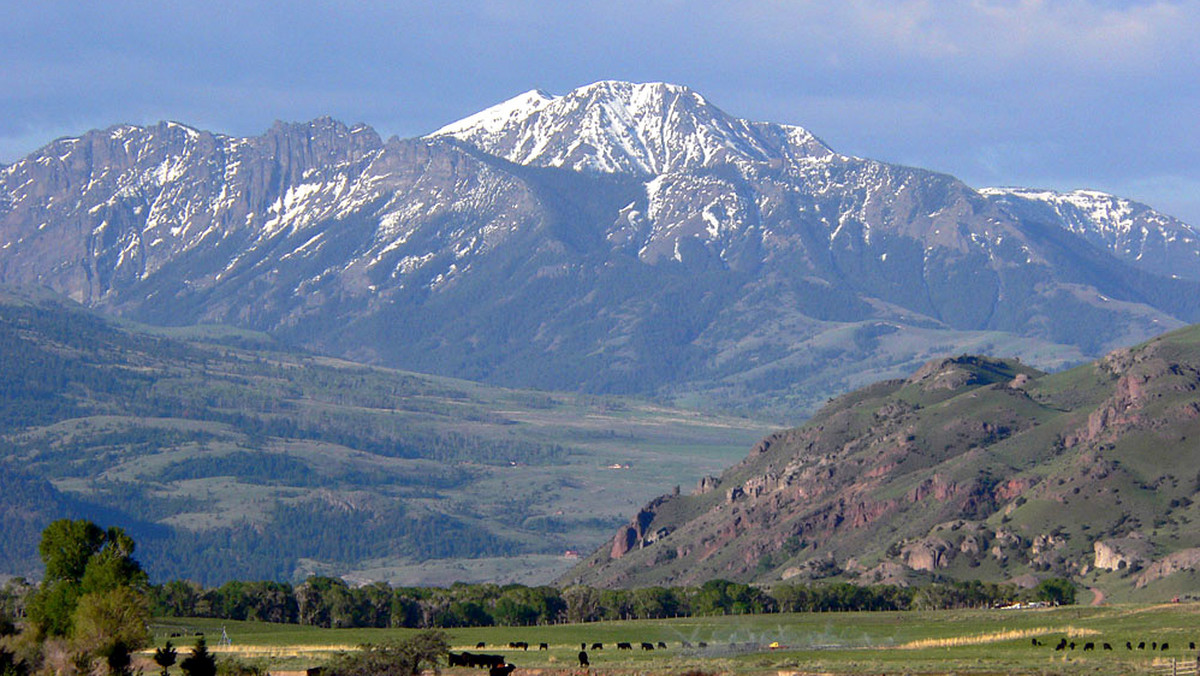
(994, 91)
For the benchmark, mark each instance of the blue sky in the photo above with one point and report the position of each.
(1061, 94)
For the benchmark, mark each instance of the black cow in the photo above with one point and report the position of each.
(456, 660)
(1141, 645)
(480, 646)
(1154, 645)
(1034, 642)
(662, 646)
(1164, 646)
(1089, 646)
(1062, 644)
(483, 661)
(1191, 645)
(1128, 645)
(1071, 645)
(624, 646)
(597, 646)
(501, 669)
(543, 646)
(583, 646)
(702, 644)
(1107, 646)
(647, 646)
(583, 660)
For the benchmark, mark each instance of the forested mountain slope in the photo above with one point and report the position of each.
(228, 457)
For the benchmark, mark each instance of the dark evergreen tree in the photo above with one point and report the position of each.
(165, 657)
(200, 662)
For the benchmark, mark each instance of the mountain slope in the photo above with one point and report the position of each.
(620, 238)
(229, 458)
(971, 468)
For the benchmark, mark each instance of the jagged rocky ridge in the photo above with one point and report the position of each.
(971, 468)
(621, 238)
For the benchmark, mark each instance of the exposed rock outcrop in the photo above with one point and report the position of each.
(1187, 559)
(928, 554)
(1121, 553)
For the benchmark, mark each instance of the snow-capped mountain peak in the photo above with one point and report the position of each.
(623, 127)
(495, 118)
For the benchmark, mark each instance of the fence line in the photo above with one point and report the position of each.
(1176, 667)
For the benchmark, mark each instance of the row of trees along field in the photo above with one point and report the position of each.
(93, 586)
(331, 602)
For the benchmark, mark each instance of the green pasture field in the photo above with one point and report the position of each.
(932, 642)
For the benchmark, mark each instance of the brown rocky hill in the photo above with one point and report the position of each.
(972, 468)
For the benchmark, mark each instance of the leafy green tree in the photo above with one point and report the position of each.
(67, 546)
(113, 565)
(512, 611)
(654, 603)
(713, 598)
(104, 620)
(467, 614)
(583, 604)
(406, 609)
(176, 599)
(200, 662)
(792, 598)
(1056, 590)
(51, 607)
(936, 597)
(325, 602)
(80, 559)
(405, 657)
(165, 657)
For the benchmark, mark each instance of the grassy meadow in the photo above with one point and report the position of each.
(934, 642)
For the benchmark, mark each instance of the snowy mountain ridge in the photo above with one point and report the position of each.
(622, 127)
(621, 237)
(1132, 231)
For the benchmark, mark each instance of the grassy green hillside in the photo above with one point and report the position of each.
(228, 457)
(972, 468)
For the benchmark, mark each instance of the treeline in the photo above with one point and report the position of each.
(331, 602)
(61, 363)
(312, 530)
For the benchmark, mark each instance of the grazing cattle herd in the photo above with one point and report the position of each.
(1065, 644)
(497, 665)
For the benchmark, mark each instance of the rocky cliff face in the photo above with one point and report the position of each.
(971, 468)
